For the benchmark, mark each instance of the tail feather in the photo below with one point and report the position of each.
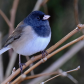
(4, 50)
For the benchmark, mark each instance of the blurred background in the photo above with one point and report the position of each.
(64, 18)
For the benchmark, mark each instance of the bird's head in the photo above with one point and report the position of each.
(37, 18)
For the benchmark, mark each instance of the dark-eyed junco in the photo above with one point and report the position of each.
(31, 35)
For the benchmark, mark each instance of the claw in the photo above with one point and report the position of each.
(44, 53)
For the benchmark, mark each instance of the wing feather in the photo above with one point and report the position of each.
(16, 34)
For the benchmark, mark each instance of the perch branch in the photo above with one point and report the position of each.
(79, 27)
(47, 57)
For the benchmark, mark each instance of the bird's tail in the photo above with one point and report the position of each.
(4, 50)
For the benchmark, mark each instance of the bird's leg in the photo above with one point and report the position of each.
(44, 53)
(20, 64)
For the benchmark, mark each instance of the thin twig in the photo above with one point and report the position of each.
(48, 56)
(11, 64)
(38, 4)
(49, 50)
(13, 11)
(39, 75)
(12, 20)
(11, 53)
(11, 28)
(43, 74)
(61, 74)
(76, 11)
(5, 18)
(72, 78)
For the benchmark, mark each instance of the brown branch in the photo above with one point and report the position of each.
(38, 4)
(59, 62)
(11, 53)
(80, 26)
(39, 75)
(12, 15)
(76, 11)
(5, 18)
(12, 19)
(10, 64)
(13, 11)
(61, 74)
(43, 74)
(47, 57)
(11, 28)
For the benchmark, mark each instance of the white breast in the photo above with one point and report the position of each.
(33, 46)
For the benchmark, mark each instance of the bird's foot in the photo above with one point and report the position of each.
(44, 53)
(20, 66)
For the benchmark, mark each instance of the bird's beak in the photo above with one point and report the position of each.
(45, 17)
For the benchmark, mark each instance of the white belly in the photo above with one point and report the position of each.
(36, 44)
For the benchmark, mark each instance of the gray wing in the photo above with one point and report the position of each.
(16, 34)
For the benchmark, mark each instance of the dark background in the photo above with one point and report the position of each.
(62, 21)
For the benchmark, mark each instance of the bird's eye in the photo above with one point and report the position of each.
(38, 18)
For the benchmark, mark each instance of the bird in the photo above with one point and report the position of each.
(31, 35)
